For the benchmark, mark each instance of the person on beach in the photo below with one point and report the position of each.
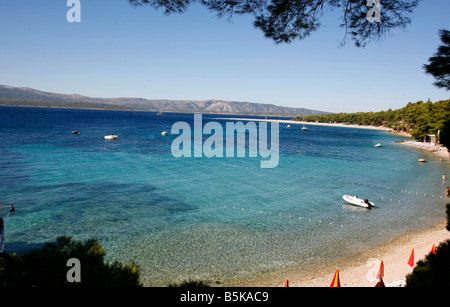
(444, 177)
(448, 192)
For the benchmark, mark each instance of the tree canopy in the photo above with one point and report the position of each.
(419, 119)
(47, 267)
(286, 20)
(439, 65)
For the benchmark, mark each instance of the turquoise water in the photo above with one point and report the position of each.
(201, 218)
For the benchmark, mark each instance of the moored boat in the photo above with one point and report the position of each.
(111, 137)
(354, 200)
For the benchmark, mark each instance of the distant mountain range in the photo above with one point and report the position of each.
(31, 97)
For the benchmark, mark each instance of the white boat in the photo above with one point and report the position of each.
(164, 133)
(378, 145)
(305, 128)
(289, 126)
(111, 137)
(354, 200)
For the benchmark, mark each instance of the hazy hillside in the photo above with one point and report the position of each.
(14, 96)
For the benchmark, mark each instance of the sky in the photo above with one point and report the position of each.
(121, 51)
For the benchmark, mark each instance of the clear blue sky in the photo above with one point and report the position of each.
(121, 51)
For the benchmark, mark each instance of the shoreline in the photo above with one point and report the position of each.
(395, 255)
(296, 122)
(360, 270)
(439, 151)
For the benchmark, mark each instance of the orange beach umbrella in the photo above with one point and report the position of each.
(411, 258)
(336, 282)
(380, 274)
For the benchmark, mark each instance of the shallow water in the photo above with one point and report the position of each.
(201, 218)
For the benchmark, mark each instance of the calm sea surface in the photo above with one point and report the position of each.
(200, 218)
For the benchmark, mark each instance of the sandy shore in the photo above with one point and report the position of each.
(395, 256)
(361, 270)
(295, 122)
(441, 152)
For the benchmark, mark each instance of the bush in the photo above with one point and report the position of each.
(434, 271)
(46, 267)
(190, 284)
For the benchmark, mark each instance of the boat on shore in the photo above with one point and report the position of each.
(354, 200)
(111, 137)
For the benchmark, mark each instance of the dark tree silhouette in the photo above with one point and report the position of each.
(439, 64)
(286, 20)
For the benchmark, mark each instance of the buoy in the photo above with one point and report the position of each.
(433, 249)
(286, 283)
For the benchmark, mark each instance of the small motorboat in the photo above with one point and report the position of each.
(354, 200)
(378, 145)
(75, 132)
(289, 126)
(164, 133)
(305, 128)
(111, 137)
(422, 160)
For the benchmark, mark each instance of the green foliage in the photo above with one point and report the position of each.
(190, 283)
(439, 64)
(419, 119)
(434, 271)
(445, 133)
(448, 217)
(46, 267)
(285, 21)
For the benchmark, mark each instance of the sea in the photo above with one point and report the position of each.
(222, 219)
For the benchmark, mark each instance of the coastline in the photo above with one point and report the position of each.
(360, 270)
(441, 152)
(395, 255)
(296, 122)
